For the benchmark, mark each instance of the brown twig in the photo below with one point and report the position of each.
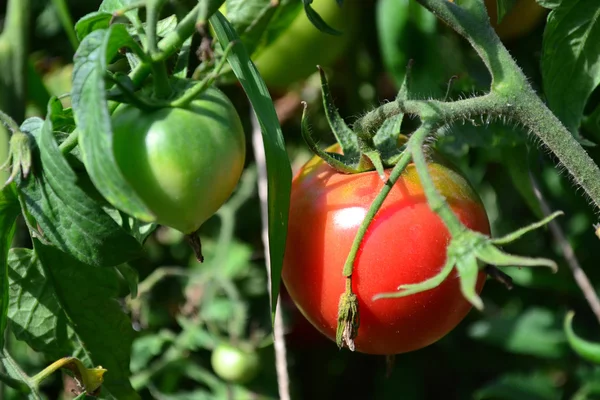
(569, 254)
(283, 380)
(499, 276)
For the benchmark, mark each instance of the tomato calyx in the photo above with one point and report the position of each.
(19, 154)
(193, 240)
(361, 151)
(464, 253)
(348, 318)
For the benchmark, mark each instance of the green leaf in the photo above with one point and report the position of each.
(9, 210)
(406, 30)
(551, 4)
(87, 296)
(35, 314)
(587, 350)
(519, 386)
(278, 165)
(317, 20)
(503, 7)
(571, 59)
(131, 276)
(93, 118)
(111, 6)
(91, 22)
(67, 217)
(258, 22)
(533, 331)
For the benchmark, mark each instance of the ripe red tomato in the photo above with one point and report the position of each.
(300, 334)
(406, 243)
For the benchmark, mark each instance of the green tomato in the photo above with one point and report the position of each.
(296, 52)
(183, 163)
(235, 364)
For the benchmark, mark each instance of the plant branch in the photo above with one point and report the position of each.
(518, 99)
(281, 366)
(69, 143)
(569, 254)
(13, 369)
(168, 45)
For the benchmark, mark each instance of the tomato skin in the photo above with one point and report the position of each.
(182, 162)
(406, 243)
(235, 364)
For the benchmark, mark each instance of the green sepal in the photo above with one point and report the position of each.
(511, 237)
(464, 253)
(386, 140)
(344, 135)
(375, 159)
(348, 321)
(317, 20)
(339, 162)
(587, 350)
(403, 93)
(19, 157)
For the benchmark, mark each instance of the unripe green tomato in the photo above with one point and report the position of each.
(235, 364)
(294, 55)
(183, 163)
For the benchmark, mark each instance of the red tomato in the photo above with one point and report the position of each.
(300, 334)
(406, 243)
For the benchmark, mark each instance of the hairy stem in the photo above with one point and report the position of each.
(168, 45)
(375, 206)
(69, 143)
(544, 124)
(519, 99)
(436, 201)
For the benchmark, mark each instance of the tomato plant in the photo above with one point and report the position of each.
(112, 268)
(406, 243)
(235, 364)
(185, 162)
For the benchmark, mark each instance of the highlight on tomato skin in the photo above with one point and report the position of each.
(406, 243)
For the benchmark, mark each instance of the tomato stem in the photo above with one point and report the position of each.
(516, 98)
(153, 8)
(70, 142)
(436, 202)
(167, 46)
(192, 93)
(375, 206)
